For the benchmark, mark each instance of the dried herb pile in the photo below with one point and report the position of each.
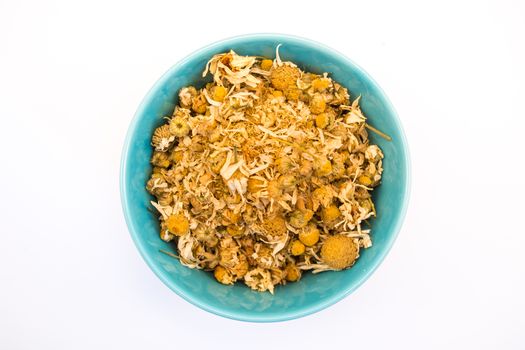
(264, 173)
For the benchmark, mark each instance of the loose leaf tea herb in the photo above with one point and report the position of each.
(264, 173)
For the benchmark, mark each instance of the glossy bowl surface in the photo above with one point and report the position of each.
(313, 292)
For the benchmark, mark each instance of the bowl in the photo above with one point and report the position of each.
(313, 292)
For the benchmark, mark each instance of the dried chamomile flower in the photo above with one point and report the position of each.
(365, 180)
(276, 93)
(233, 199)
(158, 170)
(322, 196)
(186, 96)
(292, 273)
(165, 234)
(321, 84)
(177, 224)
(263, 256)
(306, 168)
(165, 199)
(274, 226)
(241, 268)
(259, 279)
(323, 167)
(287, 182)
(179, 127)
(222, 275)
(156, 185)
(228, 252)
(297, 248)
(199, 104)
(317, 104)
(277, 275)
(339, 252)
(274, 189)
(309, 236)
(341, 96)
(176, 156)
(303, 202)
(160, 159)
(206, 236)
(338, 166)
(249, 216)
(330, 214)
(284, 165)
(325, 119)
(266, 64)
(162, 138)
(300, 218)
(285, 77)
(255, 185)
(373, 153)
(235, 230)
(366, 204)
(181, 112)
(230, 217)
(292, 94)
(218, 93)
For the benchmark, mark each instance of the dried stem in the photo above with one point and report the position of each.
(169, 253)
(380, 133)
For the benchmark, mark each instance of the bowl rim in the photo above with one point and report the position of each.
(244, 316)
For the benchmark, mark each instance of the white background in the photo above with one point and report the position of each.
(72, 75)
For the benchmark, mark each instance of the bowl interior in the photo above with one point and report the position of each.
(313, 292)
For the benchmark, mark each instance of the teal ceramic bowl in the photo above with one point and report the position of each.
(313, 292)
